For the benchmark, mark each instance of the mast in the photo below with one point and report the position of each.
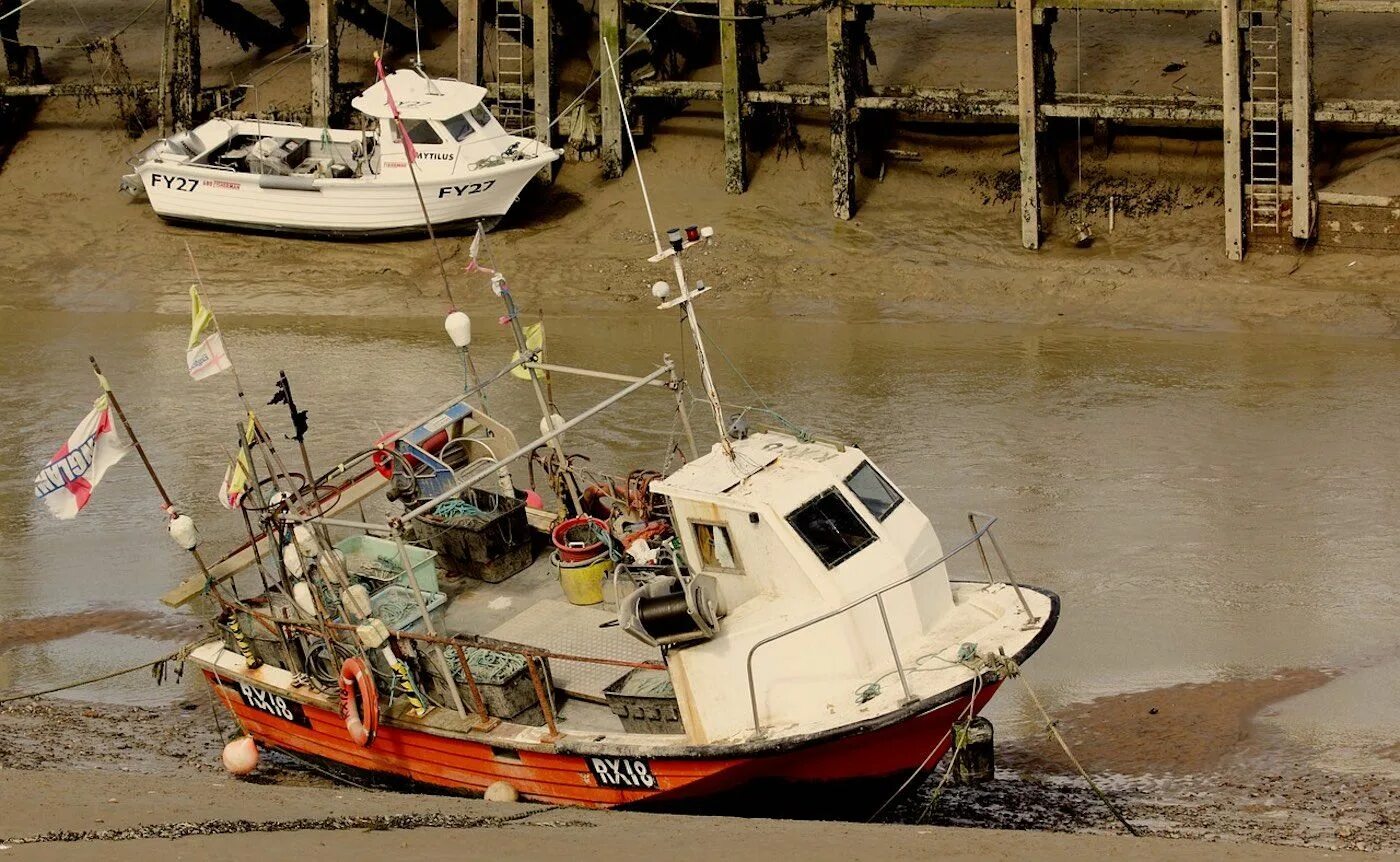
(678, 242)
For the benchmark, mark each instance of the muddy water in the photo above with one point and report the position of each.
(1208, 506)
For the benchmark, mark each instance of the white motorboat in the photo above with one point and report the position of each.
(290, 178)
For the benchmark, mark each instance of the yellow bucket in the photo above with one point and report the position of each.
(583, 582)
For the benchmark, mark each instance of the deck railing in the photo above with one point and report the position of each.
(978, 534)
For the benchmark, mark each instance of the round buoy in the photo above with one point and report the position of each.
(241, 756)
(502, 791)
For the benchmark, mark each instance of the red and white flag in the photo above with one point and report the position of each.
(66, 482)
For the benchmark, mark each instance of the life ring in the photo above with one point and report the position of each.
(359, 701)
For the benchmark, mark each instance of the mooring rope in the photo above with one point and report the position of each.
(178, 655)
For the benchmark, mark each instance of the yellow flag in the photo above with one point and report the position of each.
(200, 317)
(235, 483)
(534, 341)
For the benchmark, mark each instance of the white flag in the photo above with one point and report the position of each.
(208, 357)
(66, 482)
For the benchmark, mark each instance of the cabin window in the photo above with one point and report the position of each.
(419, 132)
(830, 527)
(480, 116)
(716, 548)
(459, 127)
(878, 495)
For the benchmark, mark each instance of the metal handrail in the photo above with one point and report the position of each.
(878, 595)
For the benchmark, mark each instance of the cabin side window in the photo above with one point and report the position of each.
(716, 548)
(878, 495)
(830, 527)
(459, 127)
(480, 116)
(419, 132)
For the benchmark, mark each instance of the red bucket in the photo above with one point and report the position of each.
(579, 539)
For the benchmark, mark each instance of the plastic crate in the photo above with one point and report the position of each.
(645, 701)
(490, 546)
(376, 563)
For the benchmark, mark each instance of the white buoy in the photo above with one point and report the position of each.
(301, 594)
(241, 756)
(459, 329)
(183, 531)
(502, 791)
(552, 422)
(661, 290)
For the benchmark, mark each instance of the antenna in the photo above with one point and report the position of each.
(678, 242)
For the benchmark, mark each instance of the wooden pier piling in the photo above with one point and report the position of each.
(609, 106)
(1304, 225)
(1232, 128)
(846, 78)
(469, 41)
(1028, 122)
(735, 164)
(325, 61)
(180, 95)
(543, 48)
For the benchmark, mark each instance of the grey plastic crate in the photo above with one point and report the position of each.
(645, 701)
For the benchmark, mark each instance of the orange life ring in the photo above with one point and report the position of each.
(359, 701)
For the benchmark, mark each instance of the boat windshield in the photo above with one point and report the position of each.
(459, 127)
(878, 495)
(480, 116)
(830, 527)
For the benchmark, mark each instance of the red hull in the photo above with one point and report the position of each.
(568, 779)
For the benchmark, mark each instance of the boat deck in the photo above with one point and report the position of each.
(529, 608)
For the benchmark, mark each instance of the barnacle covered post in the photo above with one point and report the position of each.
(846, 76)
(735, 170)
(180, 102)
(610, 106)
(325, 61)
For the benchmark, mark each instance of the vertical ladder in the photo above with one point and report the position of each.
(510, 68)
(1265, 198)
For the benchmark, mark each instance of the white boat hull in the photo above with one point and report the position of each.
(328, 206)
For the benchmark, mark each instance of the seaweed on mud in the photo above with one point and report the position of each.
(1131, 196)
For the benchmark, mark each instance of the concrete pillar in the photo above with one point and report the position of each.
(1233, 128)
(732, 98)
(325, 61)
(1028, 112)
(844, 65)
(1304, 226)
(182, 84)
(610, 35)
(469, 41)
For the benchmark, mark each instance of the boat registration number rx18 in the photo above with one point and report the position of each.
(272, 704)
(630, 773)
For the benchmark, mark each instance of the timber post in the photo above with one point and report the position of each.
(609, 105)
(1028, 122)
(1304, 214)
(732, 98)
(1233, 128)
(543, 45)
(181, 84)
(325, 61)
(469, 41)
(845, 52)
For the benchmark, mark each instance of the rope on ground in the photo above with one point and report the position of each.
(157, 665)
(1054, 731)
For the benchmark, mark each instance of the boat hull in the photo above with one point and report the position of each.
(332, 207)
(892, 752)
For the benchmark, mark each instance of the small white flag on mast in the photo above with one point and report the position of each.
(205, 355)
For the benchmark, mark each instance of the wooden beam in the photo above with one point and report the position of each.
(1304, 226)
(469, 41)
(735, 168)
(1232, 128)
(41, 91)
(609, 36)
(543, 50)
(841, 100)
(181, 96)
(325, 61)
(1028, 121)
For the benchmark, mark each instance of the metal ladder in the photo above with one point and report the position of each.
(1265, 195)
(510, 68)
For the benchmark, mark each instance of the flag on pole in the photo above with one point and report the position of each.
(66, 482)
(235, 484)
(205, 355)
(408, 148)
(534, 342)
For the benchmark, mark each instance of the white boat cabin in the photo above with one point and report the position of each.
(788, 530)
